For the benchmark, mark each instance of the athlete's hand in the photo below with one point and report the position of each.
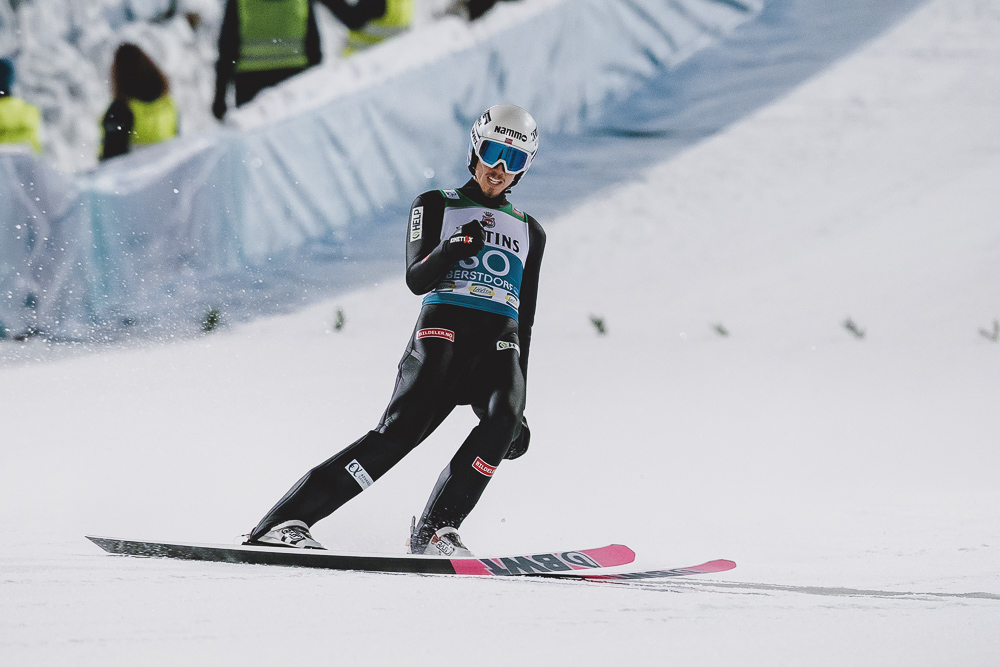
(520, 444)
(466, 242)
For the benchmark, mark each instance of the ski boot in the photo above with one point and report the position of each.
(442, 542)
(293, 534)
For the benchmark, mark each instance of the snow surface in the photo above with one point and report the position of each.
(854, 480)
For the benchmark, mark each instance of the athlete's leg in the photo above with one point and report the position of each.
(419, 403)
(463, 481)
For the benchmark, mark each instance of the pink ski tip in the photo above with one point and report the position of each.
(556, 561)
(611, 555)
(713, 566)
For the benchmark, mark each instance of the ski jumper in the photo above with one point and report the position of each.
(469, 347)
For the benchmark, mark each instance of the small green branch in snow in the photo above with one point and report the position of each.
(212, 320)
(598, 323)
(852, 326)
(340, 320)
(992, 335)
(721, 330)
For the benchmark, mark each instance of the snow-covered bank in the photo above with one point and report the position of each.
(853, 480)
(340, 144)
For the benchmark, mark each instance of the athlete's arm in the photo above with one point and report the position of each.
(529, 290)
(426, 260)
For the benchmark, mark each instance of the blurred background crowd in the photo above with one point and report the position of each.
(82, 82)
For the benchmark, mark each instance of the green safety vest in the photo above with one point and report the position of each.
(395, 21)
(154, 122)
(272, 34)
(19, 123)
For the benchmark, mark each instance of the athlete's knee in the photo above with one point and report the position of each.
(503, 415)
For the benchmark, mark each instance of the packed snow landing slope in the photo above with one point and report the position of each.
(851, 479)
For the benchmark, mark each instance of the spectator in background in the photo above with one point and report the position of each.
(394, 19)
(142, 111)
(20, 122)
(471, 9)
(264, 42)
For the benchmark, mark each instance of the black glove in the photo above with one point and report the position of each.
(520, 444)
(466, 242)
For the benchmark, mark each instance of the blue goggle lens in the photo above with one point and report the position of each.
(491, 153)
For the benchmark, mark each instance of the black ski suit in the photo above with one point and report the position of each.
(462, 352)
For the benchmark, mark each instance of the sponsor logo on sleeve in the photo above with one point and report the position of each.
(447, 334)
(451, 194)
(484, 467)
(416, 223)
(506, 345)
(360, 475)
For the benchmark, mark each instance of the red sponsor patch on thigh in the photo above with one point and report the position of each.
(447, 334)
(484, 467)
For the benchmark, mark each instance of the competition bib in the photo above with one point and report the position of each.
(491, 280)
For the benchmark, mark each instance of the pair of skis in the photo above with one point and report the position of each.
(585, 564)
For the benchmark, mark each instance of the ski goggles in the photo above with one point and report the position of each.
(492, 153)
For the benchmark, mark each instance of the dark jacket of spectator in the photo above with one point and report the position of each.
(251, 67)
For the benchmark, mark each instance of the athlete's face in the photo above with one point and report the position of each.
(492, 180)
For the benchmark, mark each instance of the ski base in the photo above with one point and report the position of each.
(557, 562)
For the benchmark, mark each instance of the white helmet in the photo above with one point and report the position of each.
(504, 133)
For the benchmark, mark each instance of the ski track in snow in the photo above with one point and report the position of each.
(852, 480)
(747, 588)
